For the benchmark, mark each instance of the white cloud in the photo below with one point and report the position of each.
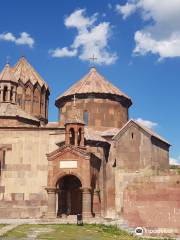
(161, 35)
(91, 38)
(7, 37)
(95, 41)
(126, 10)
(79, 21)
(146, 123)
(24, 39)
(175, 161)
(166, 48)
(63, 52)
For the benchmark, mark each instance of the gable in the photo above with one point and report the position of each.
(130, 128)
(68, 152)
(142, 129)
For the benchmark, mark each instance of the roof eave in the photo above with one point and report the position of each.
(119, 98)
(125, 127)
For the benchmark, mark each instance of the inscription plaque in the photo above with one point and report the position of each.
(68, 164)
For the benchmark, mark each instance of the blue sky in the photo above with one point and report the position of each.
(137, 43)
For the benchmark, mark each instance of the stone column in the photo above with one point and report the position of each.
(51, 213)
(8, 95)
(67, 137)
(86, 203)
(82, 137)
(96, 203)
(76, 138)
(1, 95)
(14, 96)
(47, 103)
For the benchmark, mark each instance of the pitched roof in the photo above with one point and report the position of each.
(147, 130)
(92, 135)
(13, 110)
(25, 72)
(93, 82)
(7, 74)
(89, 134)
(52, 125)
(64, 148)
(110, 132)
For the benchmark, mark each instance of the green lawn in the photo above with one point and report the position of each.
(2, 225)
(68, 232)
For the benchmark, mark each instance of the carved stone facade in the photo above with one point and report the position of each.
(84, 162)
(32, 91)
(102, 113)
(33, 100)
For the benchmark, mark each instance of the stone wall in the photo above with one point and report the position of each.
(153, 202)
(33, 100)
(17, 122)
(135, 150)
(24, 176)
(102, 113)
(98, 170)
(160, 155)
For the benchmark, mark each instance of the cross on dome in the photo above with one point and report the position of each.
(93, 59)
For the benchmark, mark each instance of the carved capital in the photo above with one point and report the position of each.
(86, 190)
(51, 190)
(96, 190)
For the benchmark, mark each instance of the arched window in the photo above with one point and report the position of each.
(28, 100)
(72, 136)
(11, 94)
(43, 99)
(46, 106)
(86, 117)
(36, 102)
(79, 136)
(5, 92)
(19, 95)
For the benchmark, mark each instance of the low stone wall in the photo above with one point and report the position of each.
(153, 202)
(22, 209)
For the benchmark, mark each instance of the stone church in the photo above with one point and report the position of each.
(80, 164)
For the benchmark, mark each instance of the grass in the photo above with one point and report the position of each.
(70, 232)
(2, 225)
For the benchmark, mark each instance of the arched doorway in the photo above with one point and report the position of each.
(69, 195)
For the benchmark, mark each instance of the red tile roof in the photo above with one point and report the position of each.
(7, 74)
(93, 82)
(147, 130)
(25, 72)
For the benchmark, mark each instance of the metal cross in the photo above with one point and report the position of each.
(74, 100)
(93, 59)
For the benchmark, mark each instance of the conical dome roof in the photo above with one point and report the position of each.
(25, 72)
(6, 74)
(93, 83)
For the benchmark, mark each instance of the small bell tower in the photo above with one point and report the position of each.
(8, 85)
(74, 127)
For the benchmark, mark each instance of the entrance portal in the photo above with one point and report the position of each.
(69, 196)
